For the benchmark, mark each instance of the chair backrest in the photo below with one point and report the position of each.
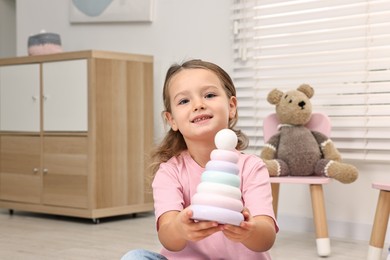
(318, 122)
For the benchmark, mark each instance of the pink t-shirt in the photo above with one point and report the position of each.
(174, 185)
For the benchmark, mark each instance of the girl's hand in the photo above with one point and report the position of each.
(243, 231)
(256, 233)
(192, 230)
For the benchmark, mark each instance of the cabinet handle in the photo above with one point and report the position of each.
(35, 170)
(34, 98)
(45, 170)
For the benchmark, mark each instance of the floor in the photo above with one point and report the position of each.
(38, 236)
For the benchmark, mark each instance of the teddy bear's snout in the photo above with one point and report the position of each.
(302, 104)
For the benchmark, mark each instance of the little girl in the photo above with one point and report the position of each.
(200, 99)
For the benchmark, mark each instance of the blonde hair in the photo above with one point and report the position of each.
(173, 143)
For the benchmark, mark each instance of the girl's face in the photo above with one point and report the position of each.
(199, 104)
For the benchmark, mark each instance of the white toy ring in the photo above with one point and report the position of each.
(220, 189)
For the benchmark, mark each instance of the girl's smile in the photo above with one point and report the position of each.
(201, 118)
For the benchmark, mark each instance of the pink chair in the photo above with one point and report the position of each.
(381, 220)
(321, 123)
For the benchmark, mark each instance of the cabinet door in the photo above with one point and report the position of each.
(65, 179)
(20, 158)
(19, 98)
(65, 87)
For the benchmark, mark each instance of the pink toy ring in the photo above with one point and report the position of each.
(216, 200)
(224, 155)
(220, 215)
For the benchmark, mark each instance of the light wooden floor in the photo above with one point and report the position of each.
(38, 236)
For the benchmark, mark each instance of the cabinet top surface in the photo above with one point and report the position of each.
(77, 55)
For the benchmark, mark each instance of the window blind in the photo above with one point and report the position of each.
(340, 47)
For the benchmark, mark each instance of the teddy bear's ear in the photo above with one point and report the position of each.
(306, 89)
(274, 96)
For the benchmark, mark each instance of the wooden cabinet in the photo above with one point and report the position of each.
(74, 131)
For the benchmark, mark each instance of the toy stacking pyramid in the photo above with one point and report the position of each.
(218, 195)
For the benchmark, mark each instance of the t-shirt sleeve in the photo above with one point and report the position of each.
(167, 190)
(256, 188)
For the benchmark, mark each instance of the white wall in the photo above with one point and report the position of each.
(201, 29)
(7, 28)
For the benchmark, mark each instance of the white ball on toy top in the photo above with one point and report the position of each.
(226, 139)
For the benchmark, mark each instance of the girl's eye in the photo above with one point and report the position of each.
(183, 101)
(210, 95)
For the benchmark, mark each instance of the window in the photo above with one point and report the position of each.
(340, 47)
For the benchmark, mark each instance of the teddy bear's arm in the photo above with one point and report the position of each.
(269, 150)
(327, 146)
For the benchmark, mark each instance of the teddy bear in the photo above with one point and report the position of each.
(297, 151)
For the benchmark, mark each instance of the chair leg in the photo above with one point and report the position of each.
(320, 222)
(275, 197)
(379, 227)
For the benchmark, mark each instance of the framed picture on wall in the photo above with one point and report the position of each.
(98, 11)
